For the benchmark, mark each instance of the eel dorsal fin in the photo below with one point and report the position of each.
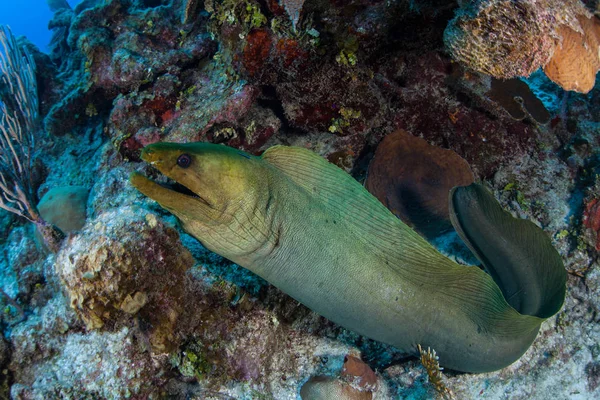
(362, 212)
(515, 252)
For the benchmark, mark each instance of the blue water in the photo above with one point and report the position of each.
(29, 18)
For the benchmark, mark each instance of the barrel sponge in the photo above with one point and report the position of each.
(508, 38)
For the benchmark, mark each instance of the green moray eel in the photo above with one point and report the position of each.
(314, 232)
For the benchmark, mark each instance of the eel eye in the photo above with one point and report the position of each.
(184, 160)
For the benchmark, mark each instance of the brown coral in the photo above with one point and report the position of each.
(413, 179)
(65, 207)
(576, 59)
(127, 263)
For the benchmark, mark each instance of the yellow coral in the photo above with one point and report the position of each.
(430, 361)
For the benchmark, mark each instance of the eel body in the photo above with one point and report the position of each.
(314, 232)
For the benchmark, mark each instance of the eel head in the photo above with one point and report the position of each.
(209, 180)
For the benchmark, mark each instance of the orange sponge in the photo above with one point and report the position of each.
(576, 59)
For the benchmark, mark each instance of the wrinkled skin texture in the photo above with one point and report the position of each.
(311, 230)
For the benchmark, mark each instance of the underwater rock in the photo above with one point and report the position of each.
(6, 220)
(56, 5)
(293, 8)
(537, 187)
(250, 133)
(127, 265)
(59, 24)
(169, 111)
(110, 190)
(413, 180)
(105, 365)
(46, 76)
(64, 116)
(19, 269)
(37, 338)
(4, 351)
(458, 116)
(126, 46)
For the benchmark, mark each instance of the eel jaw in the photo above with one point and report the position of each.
(176, 198)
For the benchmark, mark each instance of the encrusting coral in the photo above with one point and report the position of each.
(357, 381)
(127, 263)
(502, 38)
(506, 39)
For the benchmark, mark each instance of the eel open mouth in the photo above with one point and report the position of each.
(164, 190)
(175, 186)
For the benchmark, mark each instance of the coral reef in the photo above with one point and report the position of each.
(591, 220)
(591, 216)
(121, 47)
(508, 39)
(336, 77)
(501, 38)
(106, 365)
